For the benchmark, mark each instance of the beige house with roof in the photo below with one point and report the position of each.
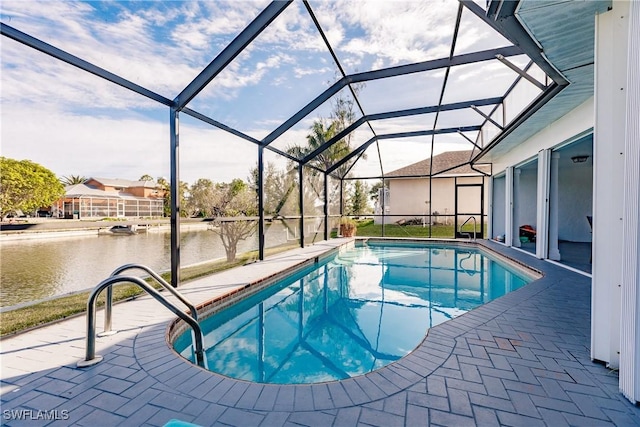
(116, 198)
(452, 194)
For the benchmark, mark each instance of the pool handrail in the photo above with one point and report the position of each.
(109, 298)
(90, 356)
(475, 225)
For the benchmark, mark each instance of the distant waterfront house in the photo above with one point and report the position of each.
(119, 198)
(450, 196)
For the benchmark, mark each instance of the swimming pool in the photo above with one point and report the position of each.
(351, 313)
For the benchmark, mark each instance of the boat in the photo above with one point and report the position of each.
(119, 230)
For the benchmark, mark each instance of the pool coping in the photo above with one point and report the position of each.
(434, 350)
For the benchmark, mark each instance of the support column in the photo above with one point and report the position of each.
(174, 127)
(489, 184)
(508, 207)
(630, 310)
(301, 202)
(542, 205)
(554, 250)
(384, 208)
(326, 207)
(515, 229)
(260, 203)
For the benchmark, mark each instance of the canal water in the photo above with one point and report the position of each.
(36, 269)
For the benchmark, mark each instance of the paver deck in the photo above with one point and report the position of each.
(521, 360)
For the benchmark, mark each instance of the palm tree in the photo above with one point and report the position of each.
(320, 133)
(322, 130)
(73, 180)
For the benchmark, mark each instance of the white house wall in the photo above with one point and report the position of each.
(408, 197)
(577, 122)
(573, 125)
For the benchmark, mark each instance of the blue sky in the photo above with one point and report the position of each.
(75, 123)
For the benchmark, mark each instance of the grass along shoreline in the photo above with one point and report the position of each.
(32, 316)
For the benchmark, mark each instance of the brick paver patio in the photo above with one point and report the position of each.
(521, 360)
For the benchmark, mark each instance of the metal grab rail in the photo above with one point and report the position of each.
(475, 226)
(109, 299)
(92, 359)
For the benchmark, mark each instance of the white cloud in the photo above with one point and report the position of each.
(122, 148)
(133, 45)
(301, 71)
(86, 145)
(390, 32)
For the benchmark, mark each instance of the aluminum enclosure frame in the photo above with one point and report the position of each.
(249, 34)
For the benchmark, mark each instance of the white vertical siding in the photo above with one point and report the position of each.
(608, 147)
(630, 309)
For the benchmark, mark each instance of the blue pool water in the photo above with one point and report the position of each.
(354, 312)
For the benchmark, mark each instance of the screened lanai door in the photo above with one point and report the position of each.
(469, 210)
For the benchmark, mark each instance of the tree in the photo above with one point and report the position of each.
(201, 198)
(322, 130)
(146, 177)
(234, 201)
(279, 189)
(358, 203)
(374, 191)
(183, 189)
(73, 180)
(26, 186)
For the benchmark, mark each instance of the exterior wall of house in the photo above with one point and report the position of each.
(578, 121)
(521, 208)
(145, 192)
(408, 197)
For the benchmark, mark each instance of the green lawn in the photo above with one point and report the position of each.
(368, 229)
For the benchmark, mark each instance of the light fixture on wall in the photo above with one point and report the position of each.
(579, 159)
